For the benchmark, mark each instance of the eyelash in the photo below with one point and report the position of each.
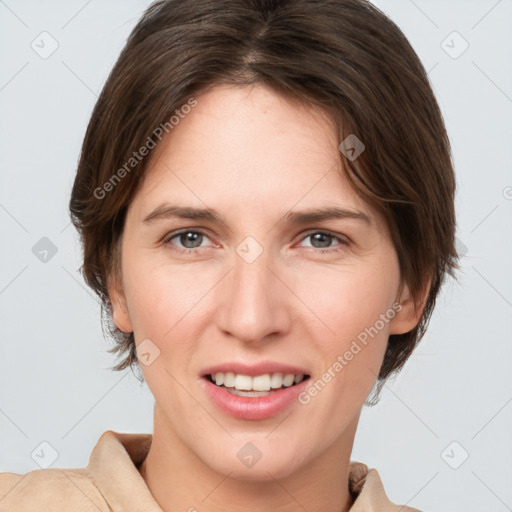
(343, 241)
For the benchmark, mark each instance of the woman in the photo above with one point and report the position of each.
(265, 198)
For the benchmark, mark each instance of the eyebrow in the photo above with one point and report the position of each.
(319, 214)
(165, 211)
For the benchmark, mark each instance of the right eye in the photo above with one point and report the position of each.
(189, 238)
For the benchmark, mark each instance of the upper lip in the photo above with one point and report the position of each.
(252, 370)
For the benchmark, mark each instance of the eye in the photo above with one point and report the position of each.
(190, 240)
(323, 239)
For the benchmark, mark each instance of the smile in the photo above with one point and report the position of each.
(281, 391)
(258, 385)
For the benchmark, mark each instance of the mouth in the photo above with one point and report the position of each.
(254, 386)
(256, 391)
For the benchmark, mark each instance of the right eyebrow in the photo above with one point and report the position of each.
(165, 211)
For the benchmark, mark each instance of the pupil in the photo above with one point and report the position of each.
(318, 238)
(190, 237)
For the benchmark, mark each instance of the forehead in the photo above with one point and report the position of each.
(253, 149)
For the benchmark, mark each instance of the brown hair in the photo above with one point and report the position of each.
(344, 56)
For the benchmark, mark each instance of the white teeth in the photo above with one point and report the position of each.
(261, 383)
(243, 382)
(276, 381)
(229, 379)
(264, 382)
(288, 380)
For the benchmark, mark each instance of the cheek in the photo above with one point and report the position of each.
(346, 300)
(350, 327)
(162, 300)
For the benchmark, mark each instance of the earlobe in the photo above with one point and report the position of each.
(410, 312)
(120, 314)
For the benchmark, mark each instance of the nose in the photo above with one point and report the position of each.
(254, 305)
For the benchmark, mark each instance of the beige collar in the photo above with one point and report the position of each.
(114, 462)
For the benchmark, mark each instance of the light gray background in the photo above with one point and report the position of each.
(54, 382)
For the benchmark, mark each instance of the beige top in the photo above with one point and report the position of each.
(112, 482)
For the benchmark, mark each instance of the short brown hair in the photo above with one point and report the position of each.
(344, 56)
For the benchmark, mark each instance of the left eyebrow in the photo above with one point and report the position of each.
(320, 214)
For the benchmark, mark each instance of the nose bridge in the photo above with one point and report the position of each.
(254, 300)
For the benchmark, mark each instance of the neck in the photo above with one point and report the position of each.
(179, 480)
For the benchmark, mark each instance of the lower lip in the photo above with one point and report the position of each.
(253, 408)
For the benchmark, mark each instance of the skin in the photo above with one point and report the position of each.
(253, 155)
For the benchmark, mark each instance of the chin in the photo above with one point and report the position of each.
(251, 463)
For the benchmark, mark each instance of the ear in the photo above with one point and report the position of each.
(120, 314)
(408, 317)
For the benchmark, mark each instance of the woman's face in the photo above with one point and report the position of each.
(259, 287)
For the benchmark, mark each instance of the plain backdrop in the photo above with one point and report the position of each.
(440, 436)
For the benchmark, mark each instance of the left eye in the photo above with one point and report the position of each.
(323, 239)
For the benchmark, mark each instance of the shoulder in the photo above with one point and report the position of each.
(52, 489)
